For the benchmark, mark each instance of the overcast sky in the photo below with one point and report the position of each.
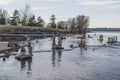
(102, 13)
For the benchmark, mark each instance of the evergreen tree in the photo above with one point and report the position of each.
(40, 22)
(32, 21)
(52, 24)
(15, 18)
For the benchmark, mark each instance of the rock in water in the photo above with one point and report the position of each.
(23, 57)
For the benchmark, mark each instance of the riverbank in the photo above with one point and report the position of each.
(29, 29)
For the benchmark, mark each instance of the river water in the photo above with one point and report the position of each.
(95, 63)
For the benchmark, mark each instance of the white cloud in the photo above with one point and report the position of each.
(52, 0)
(112, 7)
(40, 8)
(5, 2)
(106, 4)
(99, 2)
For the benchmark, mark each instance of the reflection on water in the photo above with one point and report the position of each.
(4, 59)
(26, 64)
(81, 51)
(56, 57)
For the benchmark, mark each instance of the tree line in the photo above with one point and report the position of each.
(25, 17)
(21, 17)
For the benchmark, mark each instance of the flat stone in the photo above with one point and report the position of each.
(23, 57)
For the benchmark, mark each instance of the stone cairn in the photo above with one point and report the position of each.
(101, 38)
(29, 46)
(59, 45)
(112, 39)
(24, 56)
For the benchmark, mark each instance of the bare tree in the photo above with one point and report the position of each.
(15, 18)
(78, 24)
(61, 24)
(25, 13)
(73, 24)
(68, 23)
(3, 16)
(82, 23)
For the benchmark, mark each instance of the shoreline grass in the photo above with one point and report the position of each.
(5, 28)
